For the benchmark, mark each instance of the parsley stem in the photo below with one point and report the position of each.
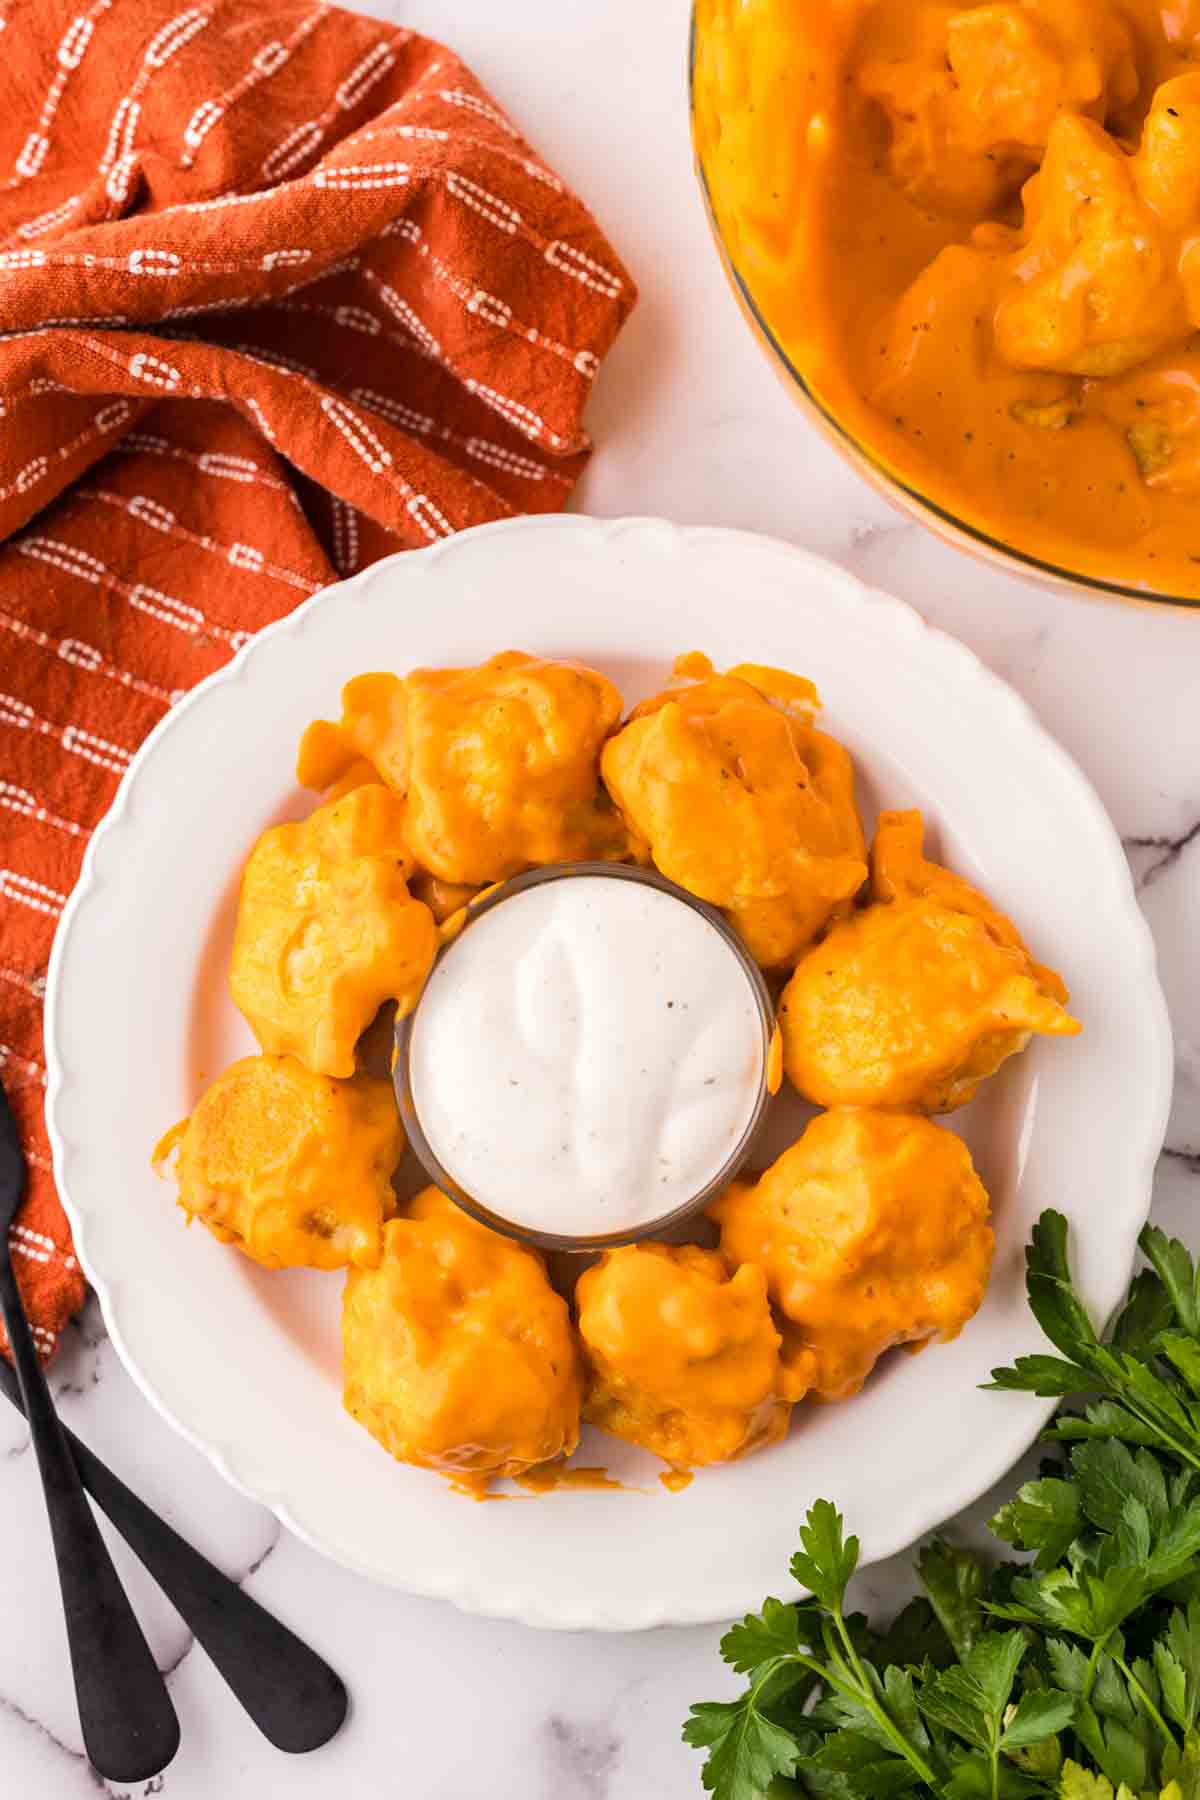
(861, 1690)
(1147, 1414)
(1147, 1702)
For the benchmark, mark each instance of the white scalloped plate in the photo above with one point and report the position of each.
(245, 1364)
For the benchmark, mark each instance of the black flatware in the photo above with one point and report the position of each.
(293, 1696)
(130, 1730)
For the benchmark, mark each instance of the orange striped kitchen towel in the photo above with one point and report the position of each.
(281, 290)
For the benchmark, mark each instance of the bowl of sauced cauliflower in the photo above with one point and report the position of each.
(966, 231)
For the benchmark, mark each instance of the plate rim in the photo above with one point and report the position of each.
(504, 1601)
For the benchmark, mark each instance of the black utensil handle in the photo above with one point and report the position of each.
(130, 1730)
(292, 1694)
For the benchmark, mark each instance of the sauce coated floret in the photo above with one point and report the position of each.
(743, 802)
(458, 1353)
(971, 93)
(1106, 276)
(293, 1168)
(683, 1355)
(871, 1231)
(917, 998)
(498, 765)
(327, 930)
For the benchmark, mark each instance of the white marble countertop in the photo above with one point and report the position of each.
(691, 424)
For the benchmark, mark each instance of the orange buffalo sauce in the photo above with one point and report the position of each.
(974, 228)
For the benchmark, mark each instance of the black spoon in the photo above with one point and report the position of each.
(293, 1696)
(130, 1730)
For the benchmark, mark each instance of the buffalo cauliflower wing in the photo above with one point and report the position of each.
(871, 1230)
(914, 1000)
(683, 1356)
(458, 1353)
(498, 765)
(327, 930)
(971, 93)
(292, 1167)
(743, 802)
(1107, 275)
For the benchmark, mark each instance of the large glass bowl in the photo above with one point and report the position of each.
(735, 104)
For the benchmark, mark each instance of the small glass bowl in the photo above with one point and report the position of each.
(739, 121)
(549, 1240)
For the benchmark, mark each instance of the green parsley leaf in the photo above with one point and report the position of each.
(1081, 1784)
(954, 1581)
(1105, 1419)
(775, 1631)
(1036, 1717)
(993, 1665)
(1147, 1312)
(1043, 1760)
(745, 1751)
(900, 1699)
(976, 1777)
(1177, 1272)
(1177, 1663)
(1052, 1297)
(1118, 1748)
(1185, 1774)
(1183, 1353)
(1068, 1665)
(970, 1700)
(1049, 1376)
(916, 1636)
(1045, 1516)
(851, 1766)
(828, 1558)
(1108, 1474)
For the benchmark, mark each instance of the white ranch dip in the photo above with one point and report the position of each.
(586, 1056)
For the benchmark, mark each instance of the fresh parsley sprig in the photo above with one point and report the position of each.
(1074, 1674)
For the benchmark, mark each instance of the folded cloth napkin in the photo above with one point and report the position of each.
(281, 291)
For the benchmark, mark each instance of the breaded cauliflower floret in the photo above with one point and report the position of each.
(683, 1356)
(294, 1168)
(971, 93)
(872, 1230)
(498, 765)
(327, 930)
(458, 1353)
(1107, 277)
(913, 1001)
(743, 802)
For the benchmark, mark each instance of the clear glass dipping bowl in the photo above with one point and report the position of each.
(722, 127)
(667, 1222)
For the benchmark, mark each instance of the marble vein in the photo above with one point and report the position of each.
(271, 1545)
(1164, 853)
(10, 1709)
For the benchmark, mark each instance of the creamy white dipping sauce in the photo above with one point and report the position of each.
(586, 1056)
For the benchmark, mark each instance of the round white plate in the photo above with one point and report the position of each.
(246, 1363)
